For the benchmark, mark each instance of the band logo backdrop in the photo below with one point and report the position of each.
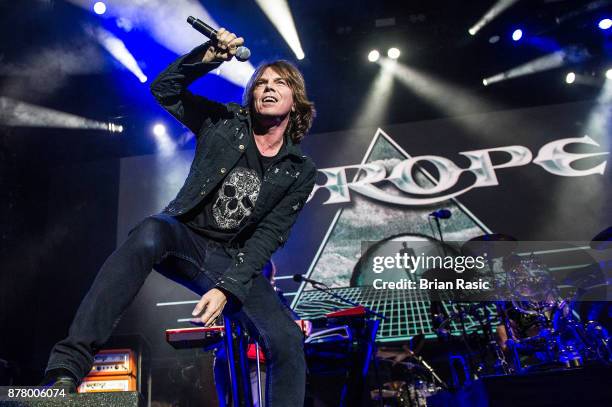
(530, 173)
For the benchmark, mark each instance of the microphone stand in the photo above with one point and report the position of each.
(440, 233)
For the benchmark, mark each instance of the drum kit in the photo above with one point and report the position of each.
(533, 322)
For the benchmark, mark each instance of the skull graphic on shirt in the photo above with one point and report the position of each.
(236, 198)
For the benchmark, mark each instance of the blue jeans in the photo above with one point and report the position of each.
(163, 243)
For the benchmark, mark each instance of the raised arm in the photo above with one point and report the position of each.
(170, 86)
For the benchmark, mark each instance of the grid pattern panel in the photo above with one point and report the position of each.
(406, 311)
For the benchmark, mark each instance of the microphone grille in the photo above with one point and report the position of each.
(243, 54)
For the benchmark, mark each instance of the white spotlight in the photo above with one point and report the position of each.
(119, 51)
(99, 8)
(393, 53)
(373, 55)
(605, 24)
(159, 130)
(115, 128)
(15, 113)
(570, 78)
(609, 74)
(280, 16)
(166, 146)
(485, 82)
(540, 64)
(493, 12)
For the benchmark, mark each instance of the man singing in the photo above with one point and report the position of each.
(247, 184)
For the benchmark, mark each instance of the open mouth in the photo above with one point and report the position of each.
(269, 99)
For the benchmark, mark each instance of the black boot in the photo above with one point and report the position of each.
(60, 379)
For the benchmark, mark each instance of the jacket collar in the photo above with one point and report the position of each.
(293, 150)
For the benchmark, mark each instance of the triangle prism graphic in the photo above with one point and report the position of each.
(364, 222)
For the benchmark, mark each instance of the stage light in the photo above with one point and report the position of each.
(485, 82)
(99, 8)
(553, 60)
(165, 145)
(609, 74)
(517, 34)
(493, 12)
(14, 113)
(373, 55)
(115, 128)
(375, 105)
(393, 53)
(119, 51)
(447, 97)
(165, 22)
(570, 78)
(159, 130)
(279, 14)
(605, 23)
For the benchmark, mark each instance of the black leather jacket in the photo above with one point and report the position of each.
(223, 133)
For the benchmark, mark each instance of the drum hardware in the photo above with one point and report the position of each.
(535, 318)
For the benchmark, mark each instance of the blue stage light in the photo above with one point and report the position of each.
(605, 23)
(159, 130)
(99, 8)
(517, 34)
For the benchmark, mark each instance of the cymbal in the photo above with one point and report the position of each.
(603, 240)
(494, 244)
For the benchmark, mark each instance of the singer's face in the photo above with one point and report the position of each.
(272, 95)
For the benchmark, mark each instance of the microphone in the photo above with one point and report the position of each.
(300, 277)
(242, 53)
(441, 214)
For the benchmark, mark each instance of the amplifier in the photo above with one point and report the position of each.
(112, 370)
(112, 362)
(107, 383)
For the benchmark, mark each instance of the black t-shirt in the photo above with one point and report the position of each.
(221, 214)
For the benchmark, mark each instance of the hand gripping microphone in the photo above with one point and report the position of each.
(242, 53)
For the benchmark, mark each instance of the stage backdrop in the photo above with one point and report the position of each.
(536, 174)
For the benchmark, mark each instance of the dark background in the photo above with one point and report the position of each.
(60, 187)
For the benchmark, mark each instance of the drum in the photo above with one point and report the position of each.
(530, 286)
